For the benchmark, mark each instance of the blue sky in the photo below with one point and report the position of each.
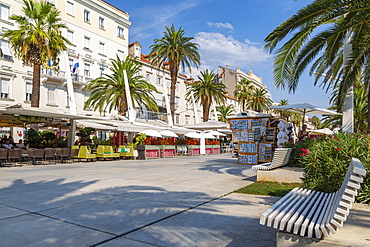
(229, 33)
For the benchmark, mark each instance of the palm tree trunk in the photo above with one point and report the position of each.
(368, 109)
(173, 72)
(35, 97)
(243, 102)
(206, 112)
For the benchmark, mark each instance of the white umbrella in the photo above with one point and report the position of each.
(324, 131)
(193, 135)
(209, 136)
(216, 133)
(168, 133)
(151, 132)
(304, 108)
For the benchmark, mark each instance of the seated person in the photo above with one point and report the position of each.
(20, 144)
(303, 134)
(7, 145)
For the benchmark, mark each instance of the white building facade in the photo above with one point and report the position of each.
(98, 31)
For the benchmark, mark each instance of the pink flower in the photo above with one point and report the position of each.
(336, 138)
(304, 154)
(304, 150)
(361, 136)
(337, 149)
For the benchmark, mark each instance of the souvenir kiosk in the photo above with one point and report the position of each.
(256, 137)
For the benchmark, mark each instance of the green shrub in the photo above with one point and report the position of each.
(326, 161)
(296, 153)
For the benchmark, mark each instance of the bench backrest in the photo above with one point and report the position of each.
(281, 157)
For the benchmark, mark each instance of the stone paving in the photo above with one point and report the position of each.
(165, 202)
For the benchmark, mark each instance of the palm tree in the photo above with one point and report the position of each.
(259, 100)
(360, 108)
(244, 91)
(224, 111)
(283, 114)
(321, 31)
(316, 121)
(206, 90)
(38, 39)
(109, 91)
(175, 50)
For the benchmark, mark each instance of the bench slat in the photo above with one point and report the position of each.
(315, 214)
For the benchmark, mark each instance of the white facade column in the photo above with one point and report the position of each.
(167, 102)
(131, 113)
(347, 117)
(71, 94)
(202, 144)
(196, 117)
(71, 133)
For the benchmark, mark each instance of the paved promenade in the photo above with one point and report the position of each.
(181, 201)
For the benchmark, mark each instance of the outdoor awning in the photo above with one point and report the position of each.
(208, 125)
(93, 124)
(18, 115)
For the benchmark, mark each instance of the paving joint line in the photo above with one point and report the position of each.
(157, 221)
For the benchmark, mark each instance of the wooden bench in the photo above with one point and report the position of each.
(314, 214)
(280, 158)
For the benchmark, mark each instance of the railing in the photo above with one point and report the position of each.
(149, 115)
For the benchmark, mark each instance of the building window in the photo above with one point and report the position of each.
(159, 99)
(159, 80)
(52, 2)
(70, 8)
(148, 77)
(187, 120)
(28, 91)
(101, 48)
(101, 23)
(70, 35)
(86, 15)
(187, 105)
(51, 96)
(120, 32)
(121, 54)
(87, 43)
(4, 12)
(168, 83)
(4, 93)
(177, 119)
(5, 50)
(70, 64)
(177, 85)
(177, 102)
(87, 70)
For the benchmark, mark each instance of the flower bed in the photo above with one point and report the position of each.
(167, 151)
(193, 150)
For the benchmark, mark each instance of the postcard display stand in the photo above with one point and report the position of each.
(256, 138)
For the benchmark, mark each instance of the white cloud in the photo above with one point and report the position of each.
(218, 50)
(220, 25)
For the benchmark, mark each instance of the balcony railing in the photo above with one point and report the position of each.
(149, 115)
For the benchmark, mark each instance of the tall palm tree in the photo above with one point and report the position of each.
(244, 91)
(174, 50)
(38, 39)
(259, 100)
(109, 91)
(206, 90)
(224, 111)
(321, 31)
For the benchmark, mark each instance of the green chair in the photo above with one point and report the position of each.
(109, 149)
(126, 151)
(84, 153)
